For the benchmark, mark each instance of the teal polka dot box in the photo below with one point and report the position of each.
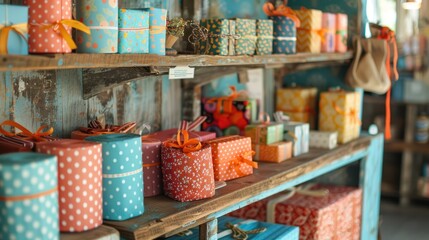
(122, 175)
(28, 196)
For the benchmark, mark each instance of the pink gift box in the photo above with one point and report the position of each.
(341, 33)
(329, 26)
(152, 173)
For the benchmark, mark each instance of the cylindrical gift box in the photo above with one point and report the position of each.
(187, 176)
(81, 135)
(102, 19)
(44, 36)
(79, 183)
(122, 175)
(152, 173)
(28, 196)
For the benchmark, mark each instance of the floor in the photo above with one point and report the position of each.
(404, 223)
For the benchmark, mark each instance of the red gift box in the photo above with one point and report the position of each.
(335, 216)
(152, 173)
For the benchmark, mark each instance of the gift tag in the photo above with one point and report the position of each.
(181, 72)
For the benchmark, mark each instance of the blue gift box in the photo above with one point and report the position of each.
(299, 134)
(157, 30)
(122, 175)
(28, 196)
(17, 18)
(268, 230)
(284, 35)
(133, 31)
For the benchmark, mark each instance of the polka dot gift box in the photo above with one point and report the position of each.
(122, 175)
(157, 30)
(152, 172)
(79, 183)
(28, 196)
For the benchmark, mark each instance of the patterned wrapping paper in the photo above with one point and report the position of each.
(79, 182)
(216, 44)
(171, 134)
(298, 103)
(17, 18)
(246, 29)
(28, 196)
(327, 140)
(102, 19)
(329, 26)
(122, 175)
(152, 172)
(157, 30)
(276, 152)
(263, 133)
(45, 39)
(299, 134)
(284, 41)
(232, 157)
(341, 33)
(309, 35)
(339, 111)
(335, 216)
(187, 176)
(273, 231)
(264, 34)
(133, 31)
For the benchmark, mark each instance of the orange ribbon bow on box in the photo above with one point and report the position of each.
(243, 158)
(224, 104)
(26, 134)
(281, 10)
(20, 29)
(187, 145)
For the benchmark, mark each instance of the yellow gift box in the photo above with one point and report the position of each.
(309, 34)
(340, 111)
(298, 103)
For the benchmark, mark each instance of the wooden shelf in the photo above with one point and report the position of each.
(164, 216)
(401, 146)
(101, 233)
(70, 61)
(382, 100)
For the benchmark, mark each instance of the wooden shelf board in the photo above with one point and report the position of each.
(164, 216)
(382, 100)
(401, 146)
(74, 60)
(101, 233)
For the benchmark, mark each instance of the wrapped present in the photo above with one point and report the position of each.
(309, 34)
(187, 169)
(265, 133)
(298, 103)
(133, 31)
(96, 128)
(170, 134)
(13, 23)
(246, 30)
(327, 140)
(152, 172)
(264, 34)
(157, 30)
(102, 19)
(329, 29)
(276, 152)
(340, 111)
(341, 33)
(232, 157)
(284, 41)
(299, 134)
(28, 196)
(12, 144)
(122, 175)
(79, 183)
(333, 212)
(50, 30)
(252, 229)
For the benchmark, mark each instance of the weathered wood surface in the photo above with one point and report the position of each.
(101, 233)
(164, 215)
(70, 61)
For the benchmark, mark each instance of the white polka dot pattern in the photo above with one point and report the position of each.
(152, 167)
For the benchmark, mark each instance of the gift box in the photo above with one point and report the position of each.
(187, 175)
(265, 133)
(298, 103)
(79, 183)
(11, 145)
(96, 128)
(276, 152)
(15, 17)
(157, 30)
(284, 41)
(329, 28)
(258, 230)
(309, 34)
(171, 134)
(341, 33)
(28, 196)
(340, 111)
(232, 157)
(102, 19)
(152, 172)
(299, 134)
(334, 216)
(133, 31)
(327, 140)
(246, 42)
(122, 175)
(264, 34)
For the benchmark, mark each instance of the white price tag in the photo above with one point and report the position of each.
(181, 72)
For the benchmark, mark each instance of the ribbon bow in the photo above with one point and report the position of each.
(353, 113)
(38, 136)
(243, 158)
(187, 145)
(225, 103)
(281, 10)
(20, 29)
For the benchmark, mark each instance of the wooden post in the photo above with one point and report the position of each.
(208, 230)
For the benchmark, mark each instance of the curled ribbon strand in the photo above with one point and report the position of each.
(281, 10)
(39, 135)
(187, 145)
(20, 29)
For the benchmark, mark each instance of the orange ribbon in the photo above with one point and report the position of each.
(225, 103)
(187, 145)
(243, 159)
(281, 10)
(353, 113)
(152, 164)
(27, 197)
(25, 133)
(320, 32)
(19, 29)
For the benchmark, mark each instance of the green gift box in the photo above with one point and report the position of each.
(264, 34)
(265, 133)
(246, 43)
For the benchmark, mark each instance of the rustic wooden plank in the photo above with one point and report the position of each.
(5, 96)
(208, 230)
(165, 215)
(171, 103)
(67, 61)
(402, 146)
(101, 233)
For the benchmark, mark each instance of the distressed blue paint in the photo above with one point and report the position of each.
(220, 87)
(237, 9)
(60, 62)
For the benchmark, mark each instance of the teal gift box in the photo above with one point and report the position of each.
(284, 41)
(17, 18)
(157, 30)
(265, 133)
(28, 196)
(102, 19)
(122, 175)
(133, 31)
(299, 134)
(263, 230)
